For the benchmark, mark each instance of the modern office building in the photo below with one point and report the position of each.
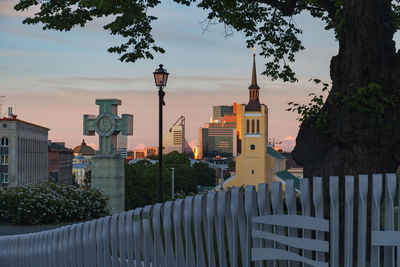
(219, 137)
(23, 151)
(217, 141)
(60, 162)
(221, 111)
(174, 139)
(122, 145)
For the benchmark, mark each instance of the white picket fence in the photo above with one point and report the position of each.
(222, 229)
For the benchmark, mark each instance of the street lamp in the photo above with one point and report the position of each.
(173, 183)
(160, 78)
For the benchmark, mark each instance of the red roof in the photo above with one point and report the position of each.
(14, 118)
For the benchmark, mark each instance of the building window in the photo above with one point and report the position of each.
(4, 178)
(248, 126)
(4, 141)
(258, 126)
(252, 126)
(252, 147)
(4, 159)
(252, 171)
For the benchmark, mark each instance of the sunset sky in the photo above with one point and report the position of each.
(52, 78)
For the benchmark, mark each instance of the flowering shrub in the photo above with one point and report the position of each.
(51, 203)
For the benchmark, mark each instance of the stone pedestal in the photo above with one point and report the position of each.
(108, 175)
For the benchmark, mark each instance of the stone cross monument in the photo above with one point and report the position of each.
(108, 173)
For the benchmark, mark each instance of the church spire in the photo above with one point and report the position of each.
(254, 84)
(254, 101)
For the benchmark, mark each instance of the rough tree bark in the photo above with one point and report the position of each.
(352, 144)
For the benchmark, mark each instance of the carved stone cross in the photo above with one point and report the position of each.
(108, 125)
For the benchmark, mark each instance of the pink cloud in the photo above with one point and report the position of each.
(140, 146)
(289, 138)
(7, 9)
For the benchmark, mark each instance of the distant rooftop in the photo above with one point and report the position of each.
(275, 154)
(84, 149)
(285, 176)
(58, 146)
(14, 118)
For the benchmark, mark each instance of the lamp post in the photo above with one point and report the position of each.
(160, 78)
(173, 183)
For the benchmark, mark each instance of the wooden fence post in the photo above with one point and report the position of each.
(177, 223)
(188, 217)
(277, 206)
(250, 206)
(362, 220)
(318, 199)
(348, 221)
(390, 189)
(199, 211)
(334, 220)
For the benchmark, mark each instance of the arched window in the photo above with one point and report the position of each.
(258, 126)
(252, 126)
(248, 126)
(4, 141)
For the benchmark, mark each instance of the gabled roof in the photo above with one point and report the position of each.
(285, 176)
(275, 154)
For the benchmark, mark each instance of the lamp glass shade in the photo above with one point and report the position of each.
(161, 77)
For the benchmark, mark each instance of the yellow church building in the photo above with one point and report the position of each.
(258, 162)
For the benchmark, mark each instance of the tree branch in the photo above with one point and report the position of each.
(328, 6)
(287, 7)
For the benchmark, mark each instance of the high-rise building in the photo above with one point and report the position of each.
(219, 137)
(221, 111)
(23, 150)
(174, 139)
(217, 141)
(122, 145)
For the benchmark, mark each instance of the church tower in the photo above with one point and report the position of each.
(251, 164)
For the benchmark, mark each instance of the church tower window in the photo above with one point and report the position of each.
(258, 126)
(252, 126)
(248, 126)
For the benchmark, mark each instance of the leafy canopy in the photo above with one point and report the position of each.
(267, 24)
(141, 179)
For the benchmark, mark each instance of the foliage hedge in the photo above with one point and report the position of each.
(51, 203)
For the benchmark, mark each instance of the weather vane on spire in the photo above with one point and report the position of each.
(254, 50)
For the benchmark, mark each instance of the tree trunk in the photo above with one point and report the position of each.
(352, 144)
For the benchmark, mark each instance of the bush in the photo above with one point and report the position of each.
(51, 203)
